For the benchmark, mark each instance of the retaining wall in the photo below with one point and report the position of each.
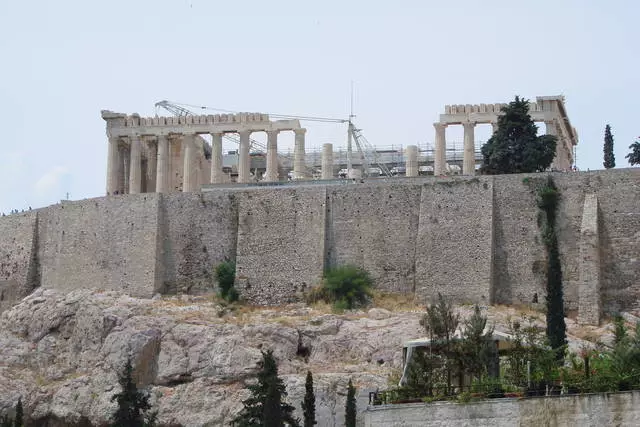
(607, 409)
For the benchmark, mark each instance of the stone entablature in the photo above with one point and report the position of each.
(547, 109)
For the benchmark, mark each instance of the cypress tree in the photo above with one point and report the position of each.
(309, 402)
(132, 403)
(609, 158)
(350, 406)
(556, 328)
(19, 421)
(265, 406)
(515, 147)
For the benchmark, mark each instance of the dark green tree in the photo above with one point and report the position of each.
(19, 420)
(515, 146)
(351, 409)
(309, 402)
(226, 276)
(475, 344)
(440, 323)
(634, 154)
(346, 287)
(266, 405)
(548, 200)
(133, 404)
(609, 157)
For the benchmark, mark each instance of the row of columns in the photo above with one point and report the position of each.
(468, 159)
(159, 164)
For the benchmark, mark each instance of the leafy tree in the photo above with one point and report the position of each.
(634, 154)
(440, 323)
(19, 420)
(347, 287)
(350, 406)
(133, 404)
(226, 276)
(265, 406)
(548, 200)
(515, 146)
(475, 345)
(309, 402)
(609, 157)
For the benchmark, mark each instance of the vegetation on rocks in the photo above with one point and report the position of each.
(133, 404)
(345, 287)
(226, 277)
(266, 406)
(516, 147)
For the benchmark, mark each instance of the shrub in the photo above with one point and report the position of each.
(346, 287)
(226, 276)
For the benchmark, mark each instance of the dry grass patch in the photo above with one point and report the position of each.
(395, 301)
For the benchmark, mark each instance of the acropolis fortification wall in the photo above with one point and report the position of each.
(475, 239)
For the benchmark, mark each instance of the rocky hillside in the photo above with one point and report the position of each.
(61, 352)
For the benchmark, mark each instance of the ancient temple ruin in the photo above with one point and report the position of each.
(168, 154)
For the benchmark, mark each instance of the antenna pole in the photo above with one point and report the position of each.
(349, 133)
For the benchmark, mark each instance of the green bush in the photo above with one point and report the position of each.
(346, 287)
(226, 276)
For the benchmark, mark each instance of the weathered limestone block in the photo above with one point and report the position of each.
(589, 287)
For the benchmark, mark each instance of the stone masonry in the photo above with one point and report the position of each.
(473, 239)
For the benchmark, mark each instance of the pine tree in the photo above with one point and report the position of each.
(515, 146)
(265, 406)
(350, 406)
(132, 403)
(634, 154)
(475, 344)
(609, 158)
(19, 421)
(309, 402)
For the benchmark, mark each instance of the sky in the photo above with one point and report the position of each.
(64, 61)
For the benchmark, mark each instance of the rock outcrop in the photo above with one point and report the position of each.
(61, 354)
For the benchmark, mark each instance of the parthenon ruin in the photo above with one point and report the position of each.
(547, 109)
(166, 154)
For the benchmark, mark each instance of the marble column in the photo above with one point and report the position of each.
(552, 129)
(113, 165)
(469, 156)
(244, 160)
(162, 171)
(271, 174)
(299, 161)
(217, 176)
(440, 153)
(152, 165)
(412, 160)
(135, 169)
(126, 162)
(189, 168)
(327, 161)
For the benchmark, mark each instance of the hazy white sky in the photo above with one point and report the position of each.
(63, 61)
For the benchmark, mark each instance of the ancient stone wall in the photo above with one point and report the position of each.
(472, 239)
(106, 243)
(375, 227)
(606, 409)
(18, 263)
(198, 231)
(280, 249)
(454, 248)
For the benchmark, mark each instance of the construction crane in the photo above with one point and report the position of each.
(367, 152)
